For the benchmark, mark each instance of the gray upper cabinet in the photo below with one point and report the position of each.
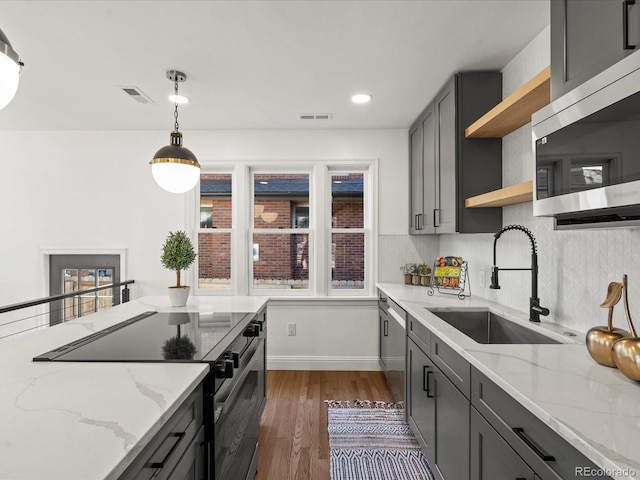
(446, 167)
(588, 36)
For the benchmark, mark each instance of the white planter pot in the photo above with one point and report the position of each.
(178, 296)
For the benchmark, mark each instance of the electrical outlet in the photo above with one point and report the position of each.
(291, 329)
(483, 280)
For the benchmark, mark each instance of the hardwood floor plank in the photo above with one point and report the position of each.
(293, 439)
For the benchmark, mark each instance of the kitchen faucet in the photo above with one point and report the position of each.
(535, 310)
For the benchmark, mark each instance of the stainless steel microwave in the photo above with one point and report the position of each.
(587, 151)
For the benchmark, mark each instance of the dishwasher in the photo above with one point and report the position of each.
(393, 321)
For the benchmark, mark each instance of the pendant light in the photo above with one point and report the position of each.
(174, 167)
(10, 67)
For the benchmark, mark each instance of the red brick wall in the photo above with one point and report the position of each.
(286, 256)
(348, 256)
(214, 253)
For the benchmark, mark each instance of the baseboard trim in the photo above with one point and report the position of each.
(323, 363)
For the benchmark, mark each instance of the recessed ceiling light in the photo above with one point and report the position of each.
(179, 99)
(361, 98)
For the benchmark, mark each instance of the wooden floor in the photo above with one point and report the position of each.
(293, 441)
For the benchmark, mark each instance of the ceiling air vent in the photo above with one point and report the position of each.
(314, 116)
(136, 94)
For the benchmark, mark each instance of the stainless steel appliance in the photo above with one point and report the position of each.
(587, 147)
(233, 344)
(393, 327)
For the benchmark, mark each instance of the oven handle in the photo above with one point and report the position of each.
(235, 390)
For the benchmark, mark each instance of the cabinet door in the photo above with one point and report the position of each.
(416, 180)
(429, 170)
(421, 397)
(445, 159)
(587, 36)
(491, 457)
(451, 458)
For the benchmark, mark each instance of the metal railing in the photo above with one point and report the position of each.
(15, 320)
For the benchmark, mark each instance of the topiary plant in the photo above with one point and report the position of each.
(177, 253)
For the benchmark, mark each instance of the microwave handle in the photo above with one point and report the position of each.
(625, 24)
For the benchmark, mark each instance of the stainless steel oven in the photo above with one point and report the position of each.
(236, 406)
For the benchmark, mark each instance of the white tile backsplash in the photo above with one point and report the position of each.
(575, 267)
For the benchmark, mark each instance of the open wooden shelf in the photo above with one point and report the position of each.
(515, 110)
(520, 193)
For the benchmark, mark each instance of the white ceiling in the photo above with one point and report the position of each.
(250, 64)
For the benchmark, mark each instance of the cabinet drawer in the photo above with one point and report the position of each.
(452, 364)
(550, 456)
(161, 455)
(419, 334)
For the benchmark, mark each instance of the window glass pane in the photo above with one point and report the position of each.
(281, 261)
(347, 260)
(214, 260)
(280, 200)
(215, 200)
(347, 207)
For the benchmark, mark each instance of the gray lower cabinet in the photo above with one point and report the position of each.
(468, 427)
(175, 452)
(438, 414)
(588, 36)
(445, 167)
(491, 457)
(548, 455)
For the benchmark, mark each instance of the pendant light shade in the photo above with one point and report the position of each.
(174, 167)
(10, 66)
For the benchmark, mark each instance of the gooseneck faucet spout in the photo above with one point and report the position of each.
(535, 310)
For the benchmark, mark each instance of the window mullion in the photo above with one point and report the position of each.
(321, 221)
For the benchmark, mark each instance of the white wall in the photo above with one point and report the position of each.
(94, 190)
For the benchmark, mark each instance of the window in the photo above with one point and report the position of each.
(302, 231)
(214, 234)
(281, 231)
(347, 231)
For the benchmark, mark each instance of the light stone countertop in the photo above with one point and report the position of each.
(595, 408)
(85, 421)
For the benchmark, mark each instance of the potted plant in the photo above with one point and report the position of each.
(415, 274)
(407, 270)
(178, 254)
(425, 274)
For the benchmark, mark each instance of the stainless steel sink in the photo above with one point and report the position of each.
(487, 327)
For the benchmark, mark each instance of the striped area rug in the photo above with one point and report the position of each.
(371, 441)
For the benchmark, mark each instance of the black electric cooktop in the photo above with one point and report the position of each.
(152, 337)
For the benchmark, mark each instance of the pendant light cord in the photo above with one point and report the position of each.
(175, 112)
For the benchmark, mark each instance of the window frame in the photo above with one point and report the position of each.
(320, 229)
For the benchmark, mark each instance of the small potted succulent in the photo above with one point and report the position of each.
(407, 270)
(178, 254)
(425, 274)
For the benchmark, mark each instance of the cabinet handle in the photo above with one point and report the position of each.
(625, 24)
(385, 330)
(178, 436)
(520, 433)
(425, 381)
(436, 217)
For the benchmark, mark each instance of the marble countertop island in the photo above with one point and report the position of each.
(593, 407)
(85, 421)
